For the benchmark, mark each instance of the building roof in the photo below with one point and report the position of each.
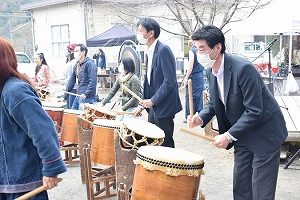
(43, 3)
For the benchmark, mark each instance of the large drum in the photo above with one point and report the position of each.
(55, 111)
(69, 131)
(166, 173)
(91, 112)
(136, 133)
(103, 141)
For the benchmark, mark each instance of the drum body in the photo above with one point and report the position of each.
(166, 173)
(69, 131)
(55, 111)
(136, 133)
(103, 141)
(90, 112)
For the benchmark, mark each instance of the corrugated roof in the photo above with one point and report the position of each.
(40, 4)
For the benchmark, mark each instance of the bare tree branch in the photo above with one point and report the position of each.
(190, 14)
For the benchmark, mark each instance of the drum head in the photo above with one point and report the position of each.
(100, 109)
(54, 104)
(108, 123)
(172, 155)
(71, 111)
(144, 128)
(171, 161)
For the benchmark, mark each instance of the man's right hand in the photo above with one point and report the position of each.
(194, 121)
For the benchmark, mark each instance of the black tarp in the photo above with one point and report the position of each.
(114, 36)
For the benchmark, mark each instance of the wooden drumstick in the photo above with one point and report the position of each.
(132, 93)
(34, 192)
(70, 93)
(121, 112)
(196, 134)
(191, 104)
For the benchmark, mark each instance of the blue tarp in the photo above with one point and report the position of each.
(114, 36)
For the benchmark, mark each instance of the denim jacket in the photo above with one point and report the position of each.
(29, 147)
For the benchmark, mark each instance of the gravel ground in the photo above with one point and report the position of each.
(216, 183)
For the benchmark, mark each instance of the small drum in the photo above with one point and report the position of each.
(103, 141)
(91, 112)
(69, 131)
(55, 110)
(43, 93)
(136, 133)
(166, 173)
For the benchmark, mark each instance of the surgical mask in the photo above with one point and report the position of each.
(141, 39)
(76, 55)
(121, 69)
(205, 61)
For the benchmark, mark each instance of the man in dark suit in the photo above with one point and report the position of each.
(160, 93)
(248, 116)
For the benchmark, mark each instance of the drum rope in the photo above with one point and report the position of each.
(131, 134)
(90, 114)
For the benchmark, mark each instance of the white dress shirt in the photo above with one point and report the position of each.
(149, 53)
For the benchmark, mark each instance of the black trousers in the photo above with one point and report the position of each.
(254, 177)
(166, 124)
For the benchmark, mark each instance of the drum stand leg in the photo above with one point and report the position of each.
(125, 168)
(96, 176)
(122, 194)
(71, 153)
(84, 137)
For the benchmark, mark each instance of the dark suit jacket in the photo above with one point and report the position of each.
(163, 88)
(254, 115)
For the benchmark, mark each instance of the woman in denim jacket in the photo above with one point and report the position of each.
(29, 149)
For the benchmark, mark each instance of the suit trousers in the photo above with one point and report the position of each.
(166, 124)
(254, 177)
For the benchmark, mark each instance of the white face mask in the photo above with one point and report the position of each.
(141, 39)
(205, 61)
(76, 55)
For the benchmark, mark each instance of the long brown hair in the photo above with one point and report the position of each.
(9, 64)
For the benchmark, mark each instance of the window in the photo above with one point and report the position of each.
(253, 46)
(60, 39)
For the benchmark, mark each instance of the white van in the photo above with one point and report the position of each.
(25, 65)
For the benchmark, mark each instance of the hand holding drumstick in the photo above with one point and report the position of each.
(47, 184)
(219, 141)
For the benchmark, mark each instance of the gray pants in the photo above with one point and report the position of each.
(254, 177)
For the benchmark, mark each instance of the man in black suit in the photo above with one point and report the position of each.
(249, 117)
(160, 95)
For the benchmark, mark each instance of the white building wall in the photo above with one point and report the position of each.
(46, 17)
